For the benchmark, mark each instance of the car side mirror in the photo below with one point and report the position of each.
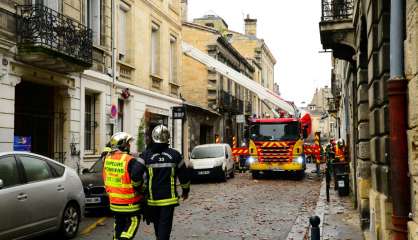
(1, 184)
(85, 171)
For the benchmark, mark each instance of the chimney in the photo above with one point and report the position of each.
(250, 26)
(184, 8)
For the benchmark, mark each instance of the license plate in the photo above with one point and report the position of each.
(341, 184)
(203, 172)
(93, 200)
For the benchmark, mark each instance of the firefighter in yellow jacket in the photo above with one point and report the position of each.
(123, 178)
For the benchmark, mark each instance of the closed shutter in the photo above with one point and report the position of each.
(122, 32)
(94, 20)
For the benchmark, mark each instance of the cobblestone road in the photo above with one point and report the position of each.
(241, 208)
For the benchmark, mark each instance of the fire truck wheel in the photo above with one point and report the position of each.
(255, 174)
(300, 174)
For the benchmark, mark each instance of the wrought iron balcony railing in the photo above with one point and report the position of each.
(226, 100)
(337, 10)
(40, 28)
(248, 108)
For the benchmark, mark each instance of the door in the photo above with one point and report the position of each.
(14, 205)
(46, 194)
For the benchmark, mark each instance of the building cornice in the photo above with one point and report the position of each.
(201, 27)
(161, 13)
(103, 78)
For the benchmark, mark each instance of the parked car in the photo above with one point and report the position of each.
(94, 189)
(212, 160)
(38, 195)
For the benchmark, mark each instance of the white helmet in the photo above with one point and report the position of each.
(160, 134)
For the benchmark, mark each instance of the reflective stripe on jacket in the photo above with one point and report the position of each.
(163, 170)
(118, 183)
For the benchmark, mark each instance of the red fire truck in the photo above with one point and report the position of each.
(277, 144)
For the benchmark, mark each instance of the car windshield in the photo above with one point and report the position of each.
(208, 152)
(275, 131)
(97, 167)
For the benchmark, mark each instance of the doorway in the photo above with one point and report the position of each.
(36, 117)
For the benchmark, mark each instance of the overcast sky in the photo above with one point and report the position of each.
(290, 29)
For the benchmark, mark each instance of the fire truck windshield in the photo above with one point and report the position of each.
(275, 131)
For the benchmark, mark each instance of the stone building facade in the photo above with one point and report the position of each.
(80, 99)
(210, 90)
(358, 32)
(254, 49)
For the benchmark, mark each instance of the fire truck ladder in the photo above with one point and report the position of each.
(266, 96)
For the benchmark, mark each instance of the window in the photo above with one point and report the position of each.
(123, 12)
(35, 168)
(52, 4)
(121, 105)
(155, 49)
(8, 171)
(57, 170)
(93, 18)
(89, 123)
(209, 25)
(173, 59)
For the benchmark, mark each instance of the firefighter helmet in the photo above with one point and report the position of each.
(160, 134)
(340, 142)
(121, 141)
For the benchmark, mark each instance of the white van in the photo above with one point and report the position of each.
(212, 160)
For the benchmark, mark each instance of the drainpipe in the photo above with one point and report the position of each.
(113, 46)
(397, 92)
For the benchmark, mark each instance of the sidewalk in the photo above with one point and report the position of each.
(339, 220)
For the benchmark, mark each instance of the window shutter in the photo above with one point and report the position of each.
(122, 31)
(94, 15)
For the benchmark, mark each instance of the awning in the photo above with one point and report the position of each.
(263, 93)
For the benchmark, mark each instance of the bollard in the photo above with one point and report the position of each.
(315, 231)
(327, 181)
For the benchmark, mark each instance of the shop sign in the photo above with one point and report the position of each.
(240, 118)
(179, 112)
(22, 143)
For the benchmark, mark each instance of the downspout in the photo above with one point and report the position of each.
(113, 46)
(397, 92)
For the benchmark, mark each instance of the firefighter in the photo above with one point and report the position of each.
(123, 178)
(340, 150)
(164, 166)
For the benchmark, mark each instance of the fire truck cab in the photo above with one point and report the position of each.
(276, 144)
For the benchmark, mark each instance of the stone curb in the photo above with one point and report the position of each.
(301, 226)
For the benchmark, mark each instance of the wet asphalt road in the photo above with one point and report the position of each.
(241, 208)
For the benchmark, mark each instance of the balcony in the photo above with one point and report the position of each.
(51, 40)
(332, 107)
(225, 101)
(248, 108)
(336, 28)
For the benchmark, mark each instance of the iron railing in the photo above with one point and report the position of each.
(40, 28)
(248, 108)
(241, 106)
(337, 10)
(226, 100)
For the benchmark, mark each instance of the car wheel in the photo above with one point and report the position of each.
(224, 175)
(232, 174)
(70, 221)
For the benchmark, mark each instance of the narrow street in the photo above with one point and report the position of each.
(241, 208)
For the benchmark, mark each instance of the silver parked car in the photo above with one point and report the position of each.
(38, 195)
